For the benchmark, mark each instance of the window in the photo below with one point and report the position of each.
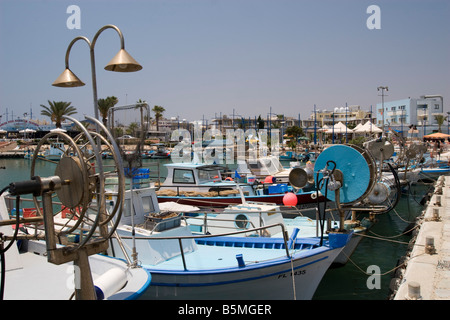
(147, 204)
(241, 221)
(436, 107)
(183, 176)
(207, 175)
(127, 208)
(393, 109)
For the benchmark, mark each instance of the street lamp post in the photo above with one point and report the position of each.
(332, 131)
(382, 102)
(448, 122)
(346, 123)
(315, 126)
(122, 62)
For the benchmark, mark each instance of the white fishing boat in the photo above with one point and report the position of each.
(198, 184)
(433, 173)
(28, 275)
(55, 151)
(48, 270)
(160, 153)
(266, 166)
(187, 266)
(251, 215)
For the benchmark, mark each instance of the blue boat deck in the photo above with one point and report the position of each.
(220, 253)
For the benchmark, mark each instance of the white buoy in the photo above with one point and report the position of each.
(110, 282)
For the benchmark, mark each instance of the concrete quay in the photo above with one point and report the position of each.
(427, 272)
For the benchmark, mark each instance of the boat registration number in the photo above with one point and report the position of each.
(290, 274)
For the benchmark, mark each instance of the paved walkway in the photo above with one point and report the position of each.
(8, 146)
(427, 273)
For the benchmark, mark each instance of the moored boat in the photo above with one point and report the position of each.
(28, 275)
(187, 266)
(202, 185)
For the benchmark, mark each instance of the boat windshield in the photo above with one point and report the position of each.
(268, 165)
(277, 164)
(208, 175)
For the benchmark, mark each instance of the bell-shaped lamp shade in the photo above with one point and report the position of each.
(123, 62)
(68, 79)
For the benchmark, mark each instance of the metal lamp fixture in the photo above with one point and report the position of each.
(68, 79)
(122, 62)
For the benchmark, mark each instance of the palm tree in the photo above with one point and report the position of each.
(440, 118)
(295, 132)
(58, 109)
(132, 128)
(158, 110)
(104, 105)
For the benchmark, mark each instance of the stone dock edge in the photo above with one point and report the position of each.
(425, 271)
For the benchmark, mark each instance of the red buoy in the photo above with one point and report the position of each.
(290, 199)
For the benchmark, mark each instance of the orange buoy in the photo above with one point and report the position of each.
(268, 179)
(290, 199)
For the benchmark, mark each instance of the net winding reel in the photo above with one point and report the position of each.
(78, 185)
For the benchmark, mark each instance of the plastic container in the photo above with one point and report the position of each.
(160, 224)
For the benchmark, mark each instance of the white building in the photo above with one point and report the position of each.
(400, 114)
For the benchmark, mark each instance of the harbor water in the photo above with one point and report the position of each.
(366, 276)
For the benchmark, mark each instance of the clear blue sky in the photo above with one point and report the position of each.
(203, 57)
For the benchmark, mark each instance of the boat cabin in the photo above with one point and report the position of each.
(195, 177)
(266, 166)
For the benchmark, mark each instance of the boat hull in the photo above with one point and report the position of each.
(433, 173)
(238, 268)
(285, 280)
(302, 199)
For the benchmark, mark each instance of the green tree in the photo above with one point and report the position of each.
(132, 129)
(56, 110)
(440, 118)
(294, 131)
(158, 110)
(104, 105)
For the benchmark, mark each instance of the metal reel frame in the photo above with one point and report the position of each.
(372, 175)
(86, 182)
(83, 172)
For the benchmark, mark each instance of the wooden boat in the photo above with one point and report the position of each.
(202, 185)
(226, 266)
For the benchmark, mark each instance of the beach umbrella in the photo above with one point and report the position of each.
(368, 127)
(436, 136)
(339, 128)
(27, 131)
(58, 130)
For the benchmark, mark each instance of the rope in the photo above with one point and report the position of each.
(393, 209)
(292, 271)
(378, 237)
(388, 240)
(385, 273)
